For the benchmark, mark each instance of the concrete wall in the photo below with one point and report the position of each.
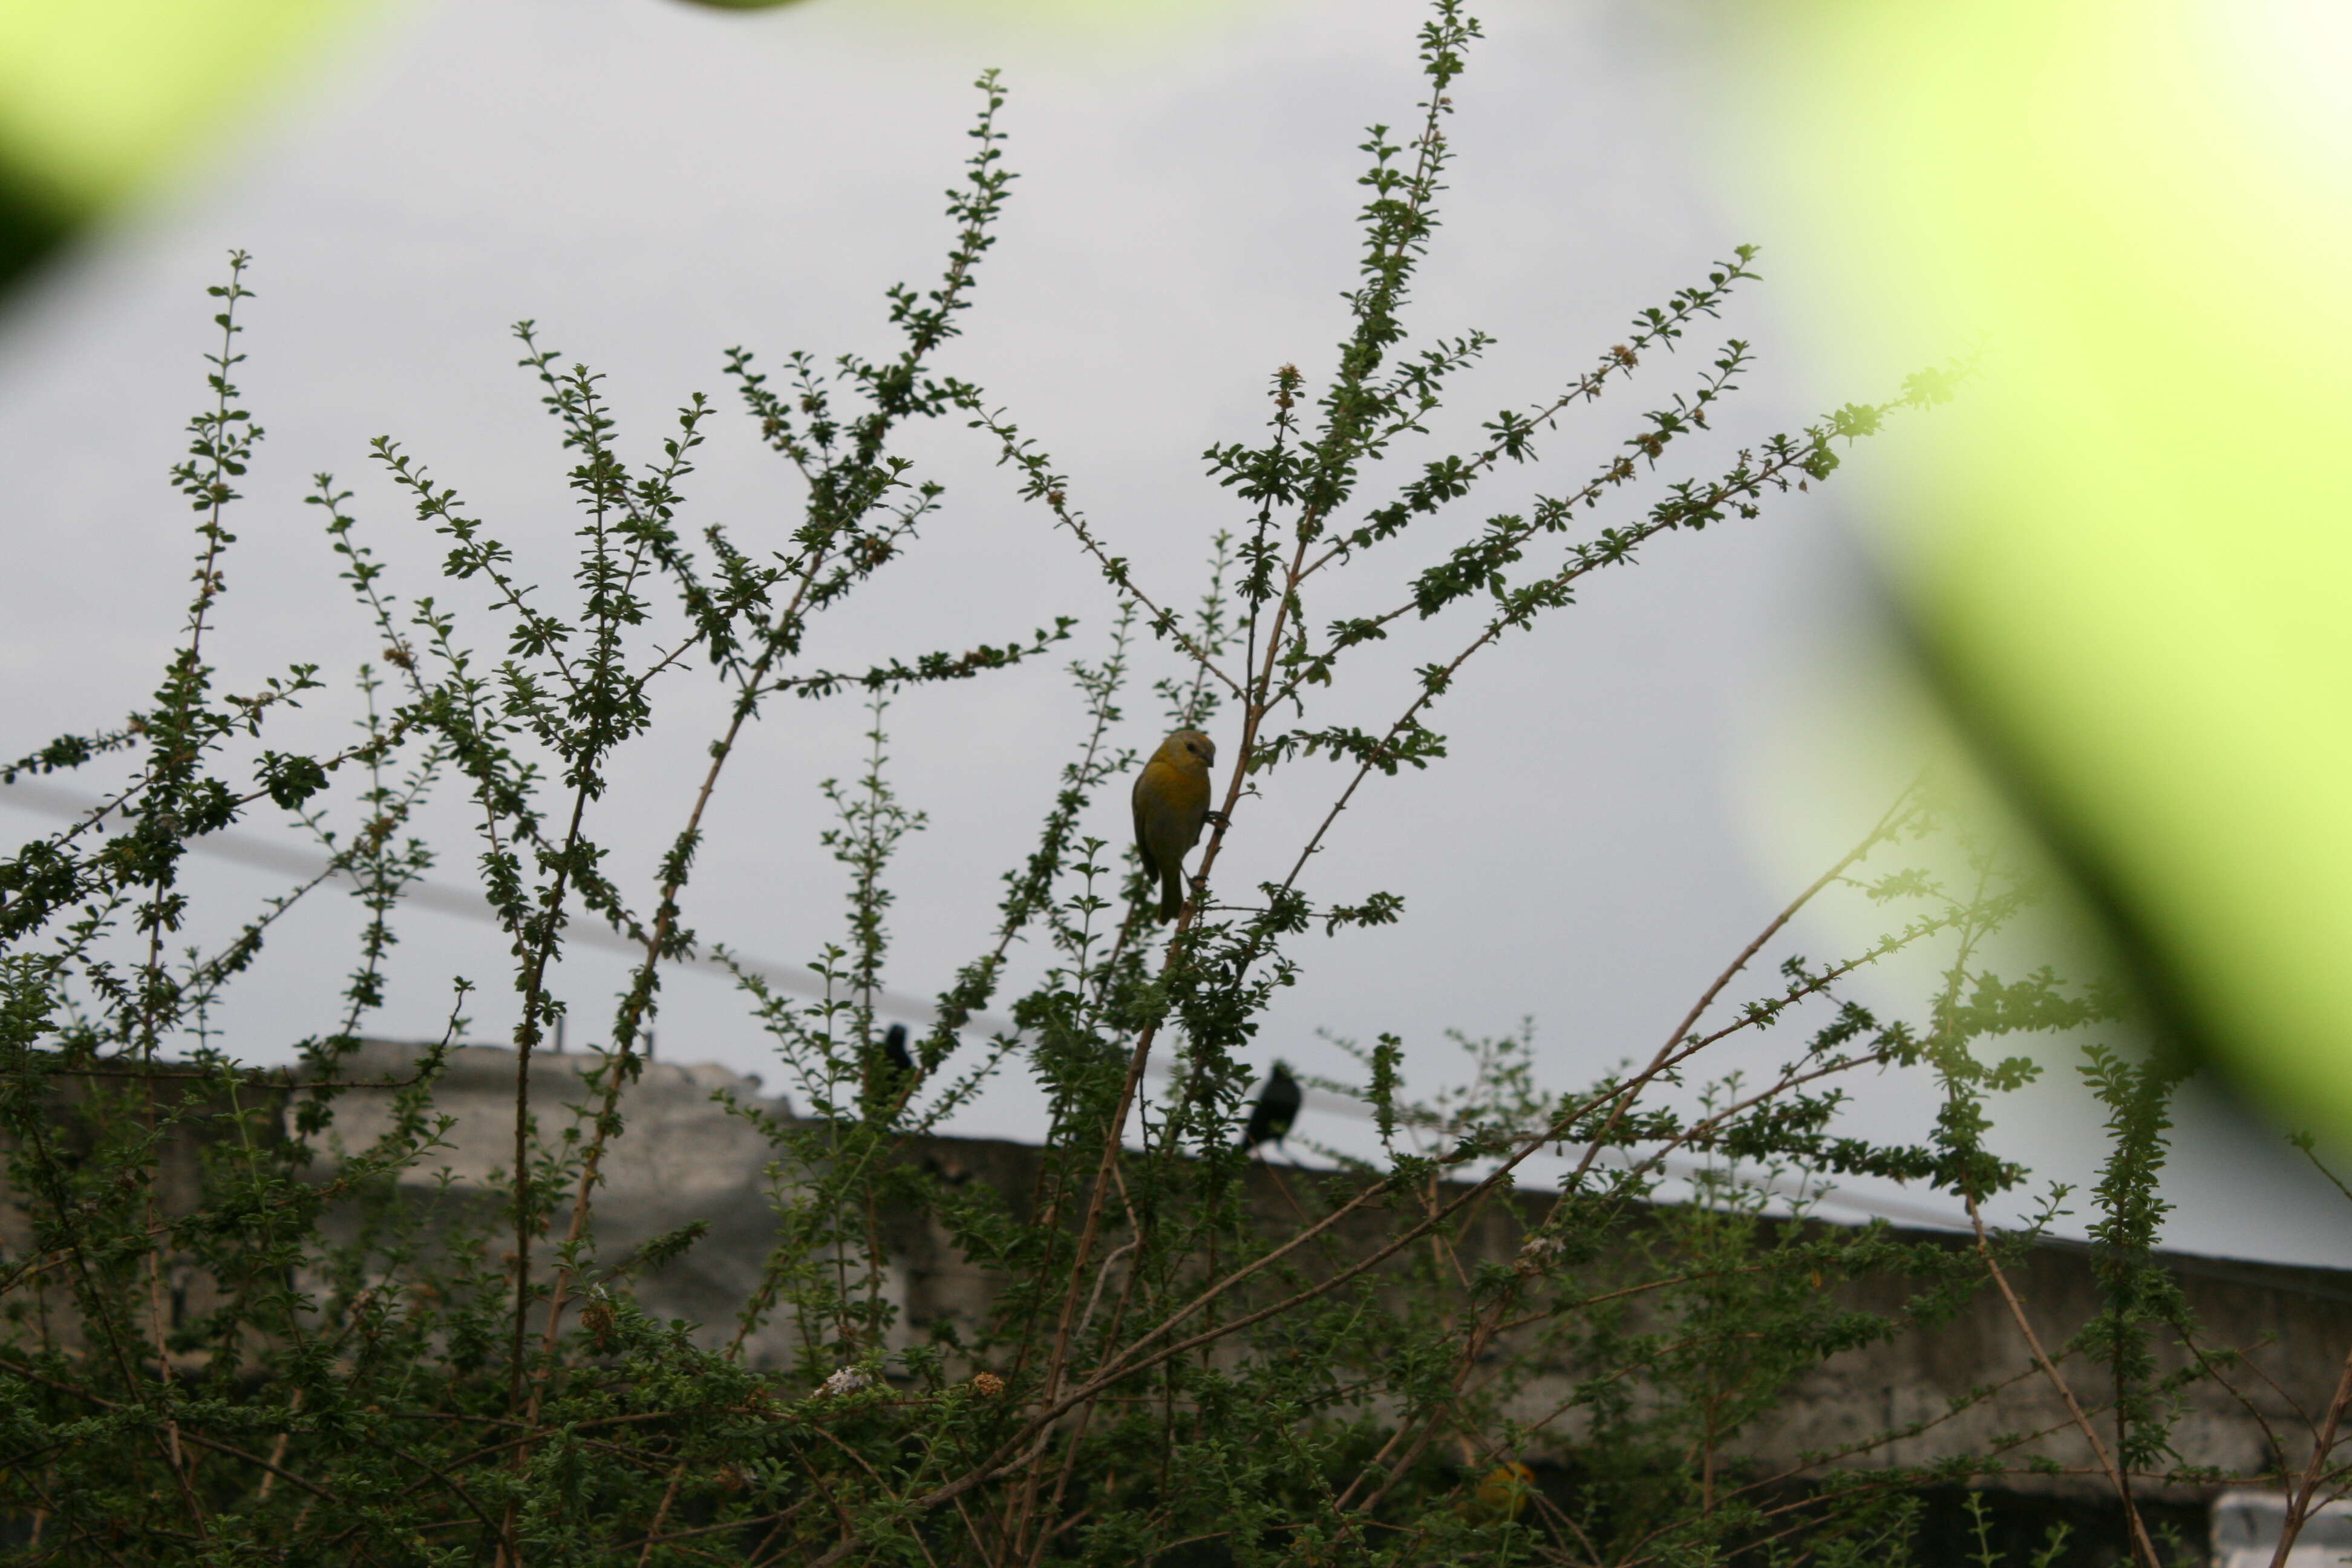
(685, 1157)
(2294, 1326)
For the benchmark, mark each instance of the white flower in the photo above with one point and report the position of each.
(848, 1380)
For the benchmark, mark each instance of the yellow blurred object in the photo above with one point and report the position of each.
(99, 99)
(1172, 802)
(1503, 1493)
(96, 94)
(2126, 548)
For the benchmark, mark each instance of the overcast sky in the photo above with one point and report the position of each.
(1633, 788)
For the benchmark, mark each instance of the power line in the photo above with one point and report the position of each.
(237, 847)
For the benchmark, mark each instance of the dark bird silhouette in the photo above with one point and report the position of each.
(894, 1051)
(1277, 1108)
(890, 1078)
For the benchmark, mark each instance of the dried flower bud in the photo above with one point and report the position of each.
(987, 1384)
(596, 1317)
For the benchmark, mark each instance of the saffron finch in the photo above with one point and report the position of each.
(1172, 802)
(1502, 1494)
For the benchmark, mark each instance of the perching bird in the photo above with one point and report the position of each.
(1172, 802)
(894, 1051)
(890, 1076)
(1502, 1494)
(1277, 1107)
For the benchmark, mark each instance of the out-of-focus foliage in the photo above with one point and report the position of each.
(2127, 549)
(98, 97)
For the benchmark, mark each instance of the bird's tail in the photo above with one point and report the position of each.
(1171, 892)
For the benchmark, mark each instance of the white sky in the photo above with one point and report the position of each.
(654, 183)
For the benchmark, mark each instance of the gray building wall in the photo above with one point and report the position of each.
(686, 1157)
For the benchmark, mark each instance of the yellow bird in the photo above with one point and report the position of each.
(1502, 1494)
(1172, 802)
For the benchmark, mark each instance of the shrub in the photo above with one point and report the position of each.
(1168, 1371)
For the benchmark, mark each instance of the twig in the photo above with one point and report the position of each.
(2142, 1546)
